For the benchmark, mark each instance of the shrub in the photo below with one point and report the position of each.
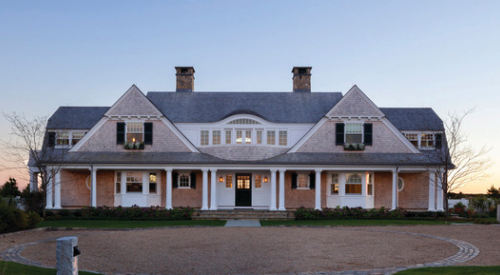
(11, 218)
(32, 201)
(33, 219)
(348, 213)
(121, 213)
(459, 208)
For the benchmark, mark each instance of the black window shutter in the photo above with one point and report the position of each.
(174, 180)
(312, 181)
(339, 133)
(52, 139)
(148, 132)
(120, 132)
(193, 180)
(294, 181)
(439, 141)
(368, 133)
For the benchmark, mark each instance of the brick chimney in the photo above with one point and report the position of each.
(185, 79)
(302, 79)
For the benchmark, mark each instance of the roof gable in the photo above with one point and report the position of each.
(355, 104)
(133, 103)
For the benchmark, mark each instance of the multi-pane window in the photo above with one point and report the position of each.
(216, 137)
(413, 138)
(76, 137)
(134, 181)
(184, 181)
(283, 138)
(118, 183)
(135, 131)
(204, 137)
(152, 183)
(248, 136)
(239, 136)
(259, 136)
(334, 188)
(62, 138)
(401, 184)
(243, 121)
(353, 133)
(353, 184)
(258, 181)
(228, 136)
(302, 181)
(229, 181)
(427, 141)
(271, 137)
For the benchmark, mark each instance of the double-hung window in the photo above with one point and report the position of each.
(271, 137)
(353, 184)
(425, 140)
(134, 132)
(334, 187)
(354, 132)
(152, 183)
(184, 181)
(204, 137)
(216, 137)
(302, 181)
(62, 138)
(134, 182)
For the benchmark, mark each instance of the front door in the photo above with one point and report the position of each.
(243, 190)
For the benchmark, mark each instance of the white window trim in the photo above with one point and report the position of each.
(308, 182)
(145, 174)
(330, 183)
(70, 137)
(179, 180)
(244, 129)
(372, 177)
(419, 139)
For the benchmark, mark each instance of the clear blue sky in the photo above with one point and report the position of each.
(439, 54)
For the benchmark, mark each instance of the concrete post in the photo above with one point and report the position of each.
(67, 264)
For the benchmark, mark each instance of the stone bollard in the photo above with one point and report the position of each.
(498, 213)
(67, 261)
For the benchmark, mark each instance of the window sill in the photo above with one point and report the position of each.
(303, 188)
(183, 187)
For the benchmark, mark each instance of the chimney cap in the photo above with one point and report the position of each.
(185, 69)
(299, 69)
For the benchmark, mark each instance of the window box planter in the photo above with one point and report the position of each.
(133, 146)
(354, 146)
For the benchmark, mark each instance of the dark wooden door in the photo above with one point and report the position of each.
(243, 190)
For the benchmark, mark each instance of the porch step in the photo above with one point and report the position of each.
(242, 215)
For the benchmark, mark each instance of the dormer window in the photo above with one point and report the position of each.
(425, 140)
(65, 138)
(134, 132)
(354, 136)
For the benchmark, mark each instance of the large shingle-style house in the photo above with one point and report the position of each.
(256, 150)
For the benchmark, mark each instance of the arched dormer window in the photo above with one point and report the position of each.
(243, 121)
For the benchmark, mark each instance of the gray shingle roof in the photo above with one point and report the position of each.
(279, 107)
(76, 117)
(414, 119)
(303, 159)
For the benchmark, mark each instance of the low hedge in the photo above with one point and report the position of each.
(121, 213)
(13, 219)
(361, 213)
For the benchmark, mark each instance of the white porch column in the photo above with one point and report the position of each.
(123, 183)
(49, 204)
(168, 190)
(204, 200)
(93, 191)
(213, 189)
(440, 193)
(282, 190)
(363, 184)
(57, 191)
(432, 192)
(394, 189)
(273, 190)
(145, 183)
(318, 190)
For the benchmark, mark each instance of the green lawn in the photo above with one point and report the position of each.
(352, 222)
(453, 270)
(126, 224)
(11, 268)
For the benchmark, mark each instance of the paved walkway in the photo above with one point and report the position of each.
(242, 223)
(465, 252)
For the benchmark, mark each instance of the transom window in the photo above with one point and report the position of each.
(243, 121)
(353, 184)
(353, 133)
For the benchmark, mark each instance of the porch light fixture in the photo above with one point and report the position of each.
(265, 179)
(221, 179)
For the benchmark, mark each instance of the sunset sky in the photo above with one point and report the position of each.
(439, 54)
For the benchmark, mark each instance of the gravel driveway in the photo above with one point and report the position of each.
(264, 250)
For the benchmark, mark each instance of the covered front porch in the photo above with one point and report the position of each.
(246, 187)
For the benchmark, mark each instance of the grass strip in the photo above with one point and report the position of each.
(351, 222)
(126, 223)
(453, 270)
(11, 268)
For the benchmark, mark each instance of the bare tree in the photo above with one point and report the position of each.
(28, 144)
(459, 162)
